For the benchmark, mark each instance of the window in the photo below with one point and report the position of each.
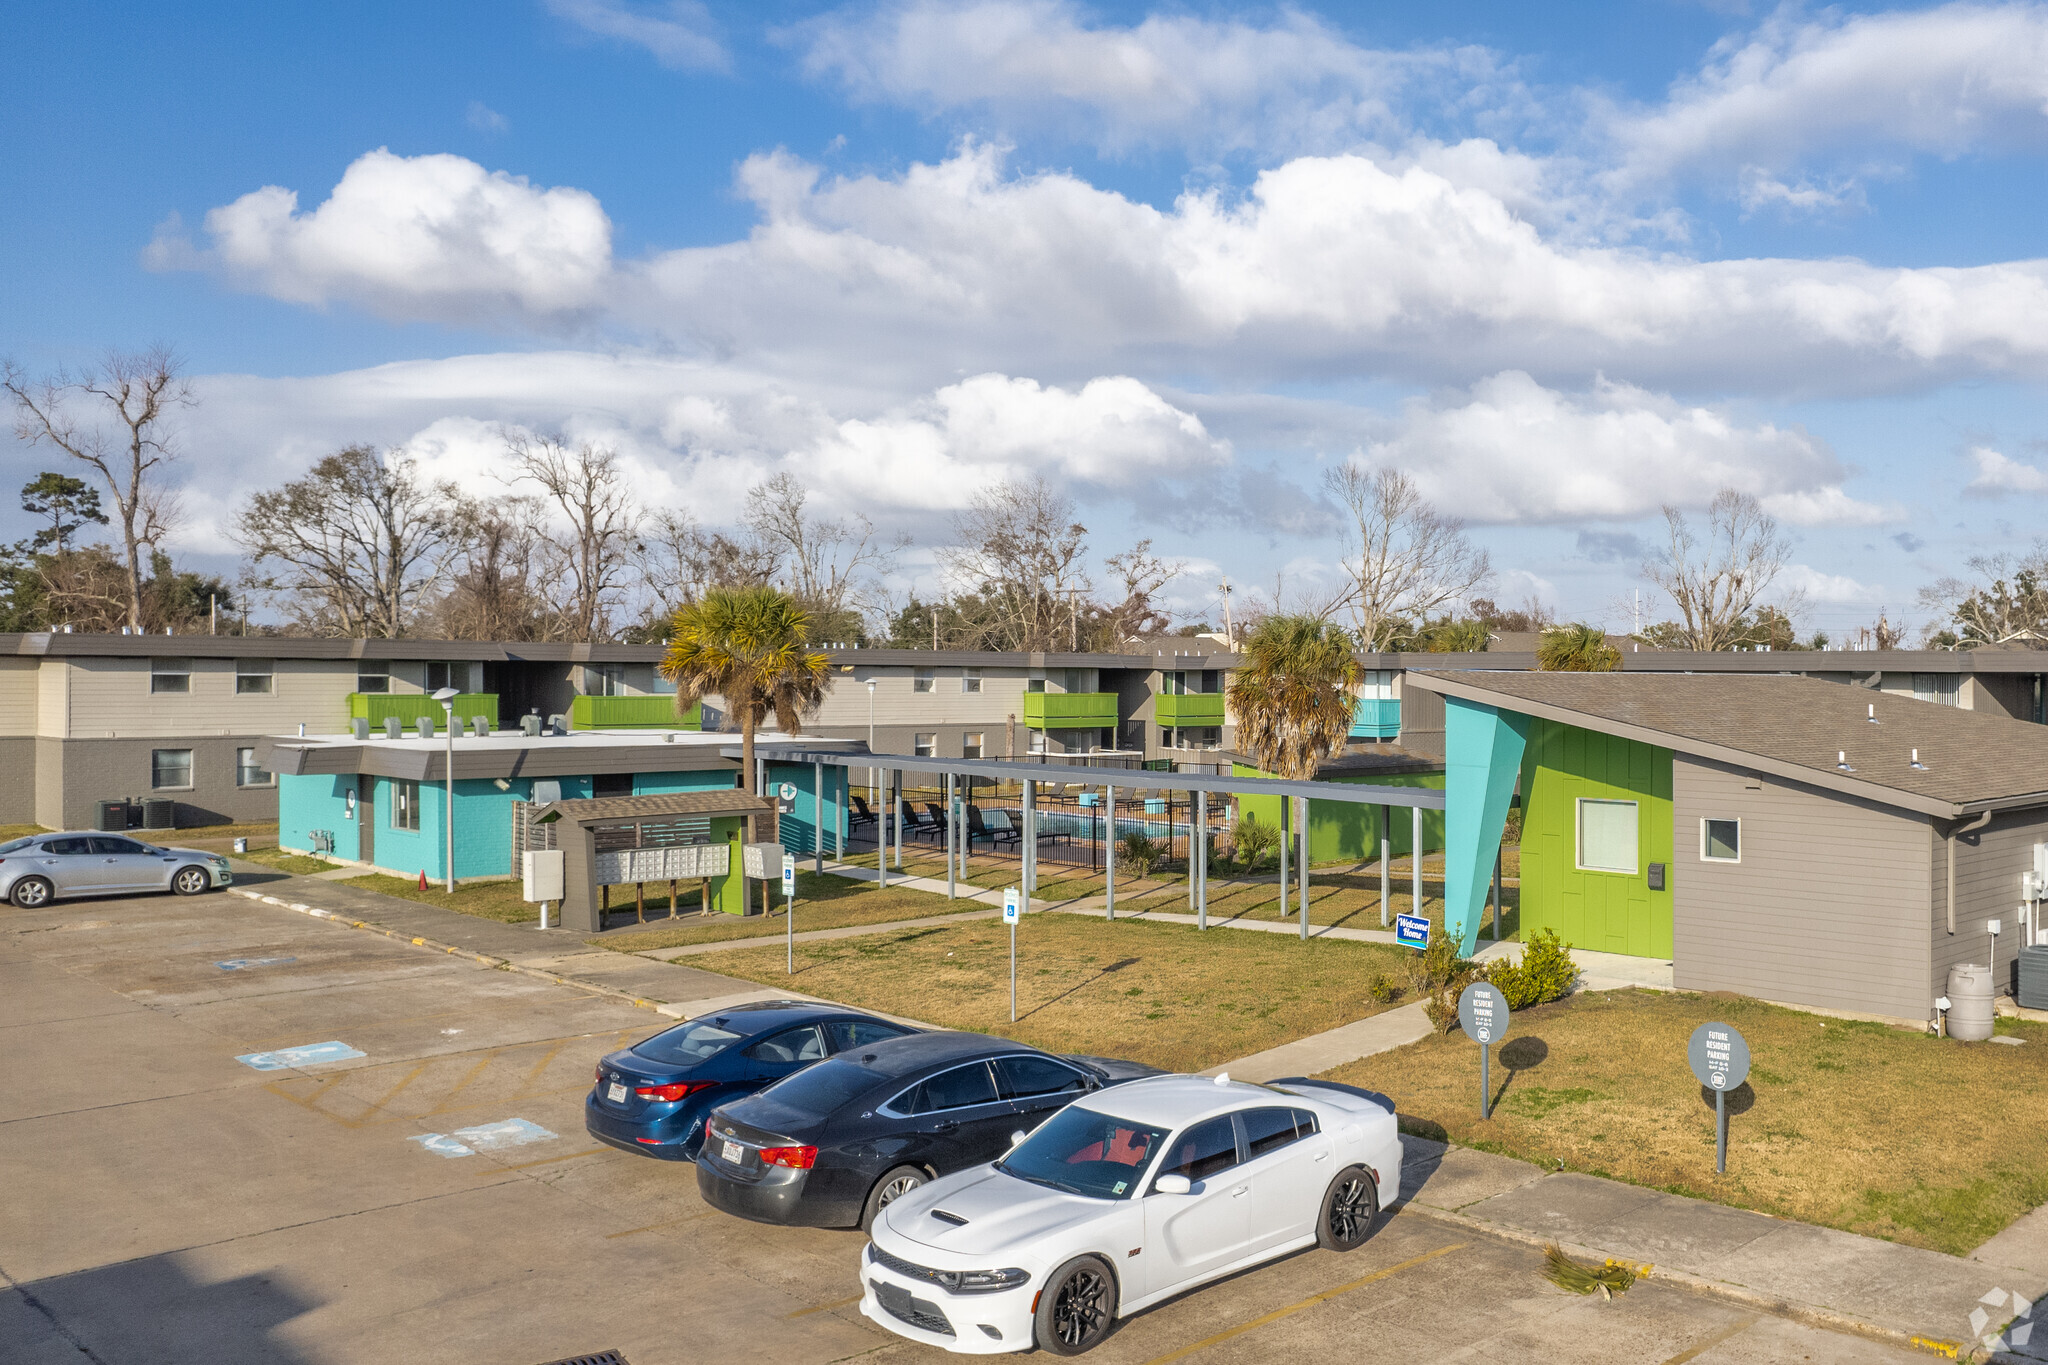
(1034, 684)
(1936, 687)
(1038, 741)
(1088, 1153)
(970, 744)
(1607, 836)
(611, 784)
(373, 676)
(1721, 841)
(72, 846)
(405, 805)
(790, 1046)
(823, 1088)
(960, 1088)
(1268, 1130)
(253, 677)
(1176, 684)
(120, 848)
(248, 774)
(1204, 1150)
(842, 1034)
(970, 681)
(686, 1044)
(1027, 1077)
(1073, 680)
(604, 680)
(170, 675)
(170, 769)
(1378, 685)
(926, 744)
(922, 680)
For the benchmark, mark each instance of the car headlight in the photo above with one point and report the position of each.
(982, 1281)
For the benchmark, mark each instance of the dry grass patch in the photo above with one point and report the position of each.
(1863, 1127)
(1160, 993)
(297, 864)
(498, 901)
(822, 902)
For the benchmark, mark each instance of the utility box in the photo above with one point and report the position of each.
(541, 870)
(762, 862)
(2034, 978)
(114, 816)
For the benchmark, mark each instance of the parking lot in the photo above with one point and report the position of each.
(436, 1199)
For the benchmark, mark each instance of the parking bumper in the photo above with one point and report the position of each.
(970, 1315)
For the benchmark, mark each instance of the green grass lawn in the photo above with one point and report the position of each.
(298, 864)
(1166, 994)
(822, 902)
(1863, 1127)
(486, 900)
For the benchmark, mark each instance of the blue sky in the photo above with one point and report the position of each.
(1565, 264)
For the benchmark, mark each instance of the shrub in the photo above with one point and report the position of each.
(1253, 841)
(1545, 973)
(1384, 988)
(1438, 974)
(1140, 854)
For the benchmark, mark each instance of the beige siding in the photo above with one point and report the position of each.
(1828, 906)
(110, 698)
(53, 699)
(18, 696)
(899, 705)
(1988, 867)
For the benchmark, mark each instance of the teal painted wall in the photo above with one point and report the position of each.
(797, 834)
(1341, 831)
(1607, 912)
(662, 784)
(316, 801)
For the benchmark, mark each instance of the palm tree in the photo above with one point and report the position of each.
(747, 645)
(1292, 693)
(1577, 648)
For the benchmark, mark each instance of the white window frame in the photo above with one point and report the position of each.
(156, 770)
(972, 740)
(255, 671)
(970, 681)
(924, 743)
(1579, 835)
(1734, 820)
(923, 680)
(405, 805)
(244, 767)
(365, 670)
(170, 677)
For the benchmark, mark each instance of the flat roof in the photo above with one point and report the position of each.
(1792, 727)
(510, 753)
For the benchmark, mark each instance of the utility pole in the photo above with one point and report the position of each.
(1229, 631)
(935, 630)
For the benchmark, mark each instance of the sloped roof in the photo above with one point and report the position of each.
(1792, 727)
(722, 802)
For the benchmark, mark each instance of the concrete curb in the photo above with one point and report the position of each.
(481, 959)
(1811, 1314)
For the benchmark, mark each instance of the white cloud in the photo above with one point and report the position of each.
(409, 237)
(681, 33)
(1513, 451)
(1998, 474)
(1817, 586)
(1171, 79)
(485, 119)
(1940, 81)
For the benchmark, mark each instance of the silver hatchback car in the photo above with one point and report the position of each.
(43, 867)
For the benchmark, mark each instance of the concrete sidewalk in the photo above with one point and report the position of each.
(1829, 1278)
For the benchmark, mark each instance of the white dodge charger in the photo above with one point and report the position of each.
(1125, 1198)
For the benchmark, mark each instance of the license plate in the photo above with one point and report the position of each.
(731, 1152)
(617, 1094)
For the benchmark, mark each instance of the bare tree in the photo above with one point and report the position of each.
(595, 555)
(355, 543)
(1406, 561)
(113, 417)
(2011, 609)
(680, 561)
(1022, 552)
(495, 590)
(1715, 587)
(830, 566)
(1140, 574)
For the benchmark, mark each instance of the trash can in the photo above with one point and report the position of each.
(1969, 1000)
(113, 816)
(159, 814)
(2034, 977)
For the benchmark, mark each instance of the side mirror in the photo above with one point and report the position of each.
(1172, 1184)
(1016, 1138)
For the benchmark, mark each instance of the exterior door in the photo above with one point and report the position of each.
(1210, 1226)
(366, 820)
(1288, 1165)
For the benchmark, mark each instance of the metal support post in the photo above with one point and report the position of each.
(1030, 853)
(1386, 875)
(818, 818)
(1415, 862)
(1720, 1132)
(1202, 860)
(1301, 873)
(1109, 848)
(1485, 1080)
(952, 832)
(897, 807)
(1285, 828)
(1192, 836)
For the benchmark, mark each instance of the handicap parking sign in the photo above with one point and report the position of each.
(1012, 904)
(1411, 931)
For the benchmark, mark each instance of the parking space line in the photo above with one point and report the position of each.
(1695, 1352)
(1309, 1302)
(553, 1053)
(821, 1308)
(482, 1064)
(392, 1093)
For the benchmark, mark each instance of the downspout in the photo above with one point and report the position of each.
(1980, 822)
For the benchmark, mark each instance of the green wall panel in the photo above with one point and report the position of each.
(1607, 912)
(1342, 831)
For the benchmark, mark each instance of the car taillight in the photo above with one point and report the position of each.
(671, 1092)
(600, 1073)
(796, 1158)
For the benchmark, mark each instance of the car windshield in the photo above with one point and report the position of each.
(823, 1087)
(15, 846)
(1084, 1152)
(687, 1044)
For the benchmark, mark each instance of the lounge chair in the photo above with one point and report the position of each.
(860, 815)
(935, 822)
(994, 827)
(916, 826)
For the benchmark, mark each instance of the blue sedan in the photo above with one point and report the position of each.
(652, 1097)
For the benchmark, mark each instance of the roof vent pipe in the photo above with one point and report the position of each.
(1842, 761)
(1917, 764)
(1873, 713)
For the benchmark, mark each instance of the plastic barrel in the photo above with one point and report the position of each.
(1969, 997)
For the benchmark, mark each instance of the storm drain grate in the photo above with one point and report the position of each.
(595, 1358)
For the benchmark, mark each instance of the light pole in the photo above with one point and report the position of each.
(446, 696)
(872, 796)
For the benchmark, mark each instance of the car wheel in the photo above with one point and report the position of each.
(190, 881)
(31, 893)
(1076, 1307)
(893, 1185)
(1350, 1207)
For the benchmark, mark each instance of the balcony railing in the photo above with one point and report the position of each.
(407, 707)
(633, 713)
(1070, 710)
(1376, 718)
(1178, 710)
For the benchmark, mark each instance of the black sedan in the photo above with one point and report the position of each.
(835, 1142)
(652, 1097)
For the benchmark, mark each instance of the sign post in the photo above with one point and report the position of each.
(1483, 1014)
(789, 905)
(1720, 1058)
(1012, 904)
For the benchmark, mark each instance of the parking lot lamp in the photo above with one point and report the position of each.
(446, 696)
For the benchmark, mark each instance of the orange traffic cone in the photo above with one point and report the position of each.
(423, 879)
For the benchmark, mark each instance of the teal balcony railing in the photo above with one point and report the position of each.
(1376, 718)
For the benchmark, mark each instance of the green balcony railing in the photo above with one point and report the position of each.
(633, 713)
(408, 707)
(1177, 710)
(1070, 710)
